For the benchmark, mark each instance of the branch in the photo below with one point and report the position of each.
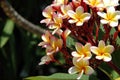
(19, 20)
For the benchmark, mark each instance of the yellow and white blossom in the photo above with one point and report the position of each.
(48, 14)
(64, 9)
(55, 45)
(57, 23)
(45, 59)
(81, 67)
(94, 3)
(82, 51)
(111, 17)
(78, 17)
(46, 39)
(103, 52)
(108, 3)
(51, 43)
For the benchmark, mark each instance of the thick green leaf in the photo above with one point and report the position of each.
(6, 33)
(58, 76)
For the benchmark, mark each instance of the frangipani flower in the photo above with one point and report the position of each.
(57, 24)
(94, 3)
(48, 14)
(64, 9)
(64, 33)
(45, 59)
(81, 67)
(78, 17)
(46, 39)
(55, 45)
(103, 52)
(82, 51)
(108, 3)
(111, 17)
(51, 43)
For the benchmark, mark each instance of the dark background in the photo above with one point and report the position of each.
(20, 56)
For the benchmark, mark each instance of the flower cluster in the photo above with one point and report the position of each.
(82, 20)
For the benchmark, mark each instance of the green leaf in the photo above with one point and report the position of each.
(70, 42)
(58, 76)
(6, 33)
(118, 38)
(114, 74)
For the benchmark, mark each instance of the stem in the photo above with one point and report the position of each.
(66, 56)
(113, 66)
(18, 19)
(107, 30)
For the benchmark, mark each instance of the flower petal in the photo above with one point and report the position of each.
(102, 14)
(109, 49)
(44, 44)
(75, 54)
(88, 55)
(78, 47)
(103, 21)
(110, 9)
(66, 33)
(72, 70)
(47, 21)
(83, 62)
(86, 16)
(114, 23)
(87, 47)
(80, 74)
(88, 70)
(79, 23)
(79, 10)
(94, 49)
(99, 57)
(107, 57)
(45, 59)
(49, 50)
(101, 45)
(72, 21)
(72, 14)
(46, 36)
(117, 14)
